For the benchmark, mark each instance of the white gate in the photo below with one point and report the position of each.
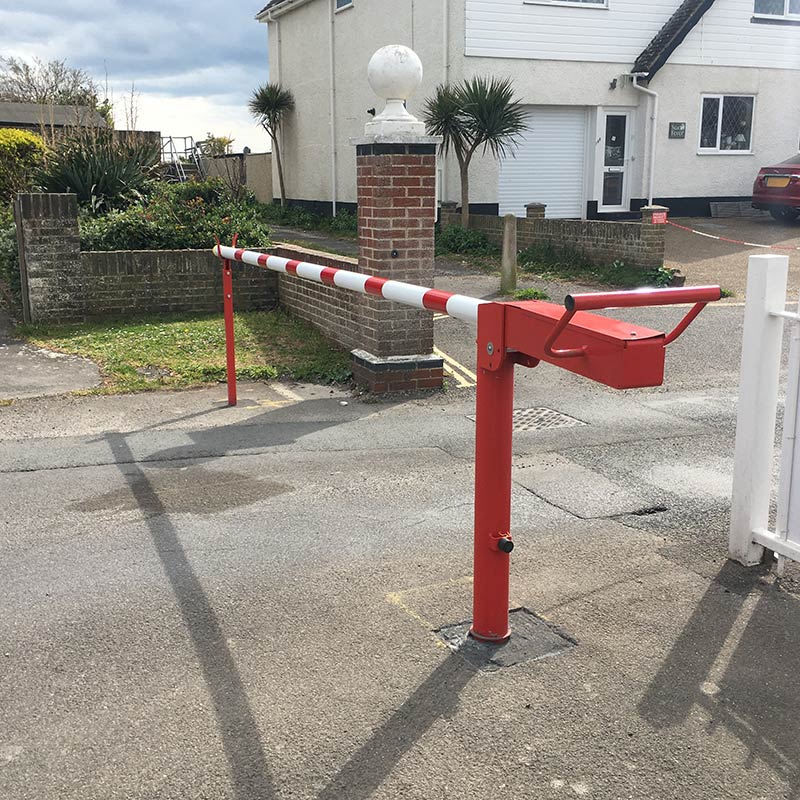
(762, 346)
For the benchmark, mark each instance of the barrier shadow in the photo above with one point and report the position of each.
(436, 697)
(738, 659)
(280, 426)
(238, 729)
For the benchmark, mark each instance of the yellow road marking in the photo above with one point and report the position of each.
(396, 599)
(457, 370)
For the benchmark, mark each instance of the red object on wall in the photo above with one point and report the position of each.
(659, 218)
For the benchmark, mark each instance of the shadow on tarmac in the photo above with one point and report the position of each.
(750, 688)
(271, 429)
(250, 776)
(376, 759)
(238, 728)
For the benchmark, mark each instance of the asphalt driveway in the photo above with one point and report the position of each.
(709, 261)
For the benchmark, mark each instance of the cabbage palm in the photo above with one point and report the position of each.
(269, 104)
(479, 112)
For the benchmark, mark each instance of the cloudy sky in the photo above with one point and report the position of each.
(193, 64)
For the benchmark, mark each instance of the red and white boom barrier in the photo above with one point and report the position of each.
(454, 305)
(621, 355)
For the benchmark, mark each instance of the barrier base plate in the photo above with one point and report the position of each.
(532, 638)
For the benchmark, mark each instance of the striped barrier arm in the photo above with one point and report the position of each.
(458, 306)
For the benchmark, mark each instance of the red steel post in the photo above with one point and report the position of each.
(493, 434)
(230, 346)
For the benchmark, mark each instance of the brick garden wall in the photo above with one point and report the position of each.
(337, 313)
(62, 284)
(127, 282)
(637, 244)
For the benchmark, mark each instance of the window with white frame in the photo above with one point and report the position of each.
(726, 123)
(784, 9)
(343, 4)
(595, 3)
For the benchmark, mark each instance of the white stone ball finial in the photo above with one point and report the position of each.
(395, 73)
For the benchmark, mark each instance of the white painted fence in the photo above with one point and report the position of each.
(762, 345)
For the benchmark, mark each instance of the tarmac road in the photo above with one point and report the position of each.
(203, 602)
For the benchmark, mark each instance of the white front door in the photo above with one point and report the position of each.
(614, 192)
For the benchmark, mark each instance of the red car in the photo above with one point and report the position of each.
(777, 190)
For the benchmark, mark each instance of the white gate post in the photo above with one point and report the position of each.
(758, 400)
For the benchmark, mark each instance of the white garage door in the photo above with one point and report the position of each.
(548, 165)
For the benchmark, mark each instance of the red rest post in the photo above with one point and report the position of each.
(230, 343)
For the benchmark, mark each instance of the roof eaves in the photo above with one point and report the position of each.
(667, 40)
(274, 5)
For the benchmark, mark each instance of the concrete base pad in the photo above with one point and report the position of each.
(532, 638)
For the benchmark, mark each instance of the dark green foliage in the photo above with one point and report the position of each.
(345, 222)
(269, 104)
(479, 113)
(9, 258)
(530, 294)
(176, 217)
(464, 242)
(106, 171)
(569, 265)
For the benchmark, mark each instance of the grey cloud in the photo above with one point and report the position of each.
(176, 48)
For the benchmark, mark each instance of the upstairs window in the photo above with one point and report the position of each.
(596, 3)
(343, 4)
(782, 9)
(726, 123)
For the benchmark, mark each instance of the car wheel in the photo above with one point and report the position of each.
(785, 214)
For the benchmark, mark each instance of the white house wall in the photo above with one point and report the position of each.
(298, 58)
(304, 67)
(680, 170)
(726, 36)
(513, 29)
(302, 63)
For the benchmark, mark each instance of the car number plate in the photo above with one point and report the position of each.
(777, 182)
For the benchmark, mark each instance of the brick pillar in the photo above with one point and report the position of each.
(653, 235)
(50, 263)
(396, 217)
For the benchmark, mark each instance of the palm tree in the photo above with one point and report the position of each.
(480, 112)
(269, 103)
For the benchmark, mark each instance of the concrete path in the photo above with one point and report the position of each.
(27, 371)
(203, 602)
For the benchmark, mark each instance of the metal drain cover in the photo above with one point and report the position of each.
(540, 419)
(532, 638)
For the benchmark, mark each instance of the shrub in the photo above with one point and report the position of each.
(103, 169)
(175, 217)
(463, 241)
(9, 258)
(21, 154)
(344, 222)
(530, 294)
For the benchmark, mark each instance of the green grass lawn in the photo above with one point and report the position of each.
(178, 352)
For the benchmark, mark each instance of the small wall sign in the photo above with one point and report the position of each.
(659, 218)
(677, 130)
